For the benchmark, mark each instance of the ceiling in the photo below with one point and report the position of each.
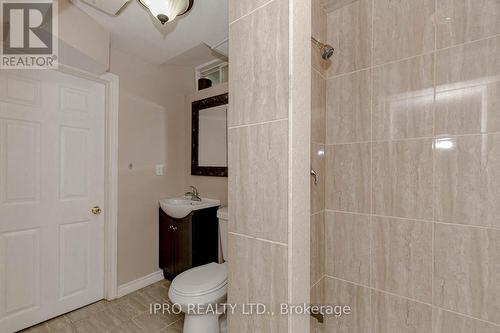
(181, 42)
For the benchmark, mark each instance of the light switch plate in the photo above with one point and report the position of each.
(160, 169)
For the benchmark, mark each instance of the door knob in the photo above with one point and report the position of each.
(96, 210)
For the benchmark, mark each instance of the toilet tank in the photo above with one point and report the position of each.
(222, 215)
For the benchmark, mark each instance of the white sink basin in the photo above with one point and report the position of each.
(182, 207)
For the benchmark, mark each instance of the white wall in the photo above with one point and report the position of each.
(83, 43)
(151, 131)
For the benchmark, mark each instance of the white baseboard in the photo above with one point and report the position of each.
(140, 283)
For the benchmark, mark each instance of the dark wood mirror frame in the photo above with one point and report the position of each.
(206, 103)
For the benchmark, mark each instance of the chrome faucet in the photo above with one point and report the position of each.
(193, 194)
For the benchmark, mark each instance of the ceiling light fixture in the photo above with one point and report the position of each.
(167, 10)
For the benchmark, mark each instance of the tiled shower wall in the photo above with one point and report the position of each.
(268, 154)
(412, 166)
(258, 149)
(318, 139)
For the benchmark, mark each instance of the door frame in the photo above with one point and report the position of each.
(111, 83)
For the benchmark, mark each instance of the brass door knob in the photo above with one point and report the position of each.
(96, 210)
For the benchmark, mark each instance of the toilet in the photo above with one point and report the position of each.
(203, 287)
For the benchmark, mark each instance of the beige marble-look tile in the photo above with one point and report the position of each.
(65, 329)
(156, 291)
(258, 160)
(466, 271)
(347, 246)
(402, 257)
(358, 298)
(317, 298)
(176, 327)
(164, 283)
(331, 5)
(239, 8)
(348, 109)
(137, 301)
(58, 323)
(257, 273)
(318, 63)
(402, 29)
(349, 32)
(318, 28)
(123, 311)
(258, 80)
(87, 311)
(154, 322)
(348, 179)
(318, 189)
(318, 293)
(467, 186)
(41, 328)
(468, 88)
(403, 99)
(392, 314)
(446, 322)
(318, 31)
(85, 326)
(127, 327)
(318, 108)
(460, 21)
(402, 179)
(100, 321)
(317, 247)
(315, 326)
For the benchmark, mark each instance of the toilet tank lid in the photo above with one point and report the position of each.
(223, 213)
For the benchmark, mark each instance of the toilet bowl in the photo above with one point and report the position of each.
(199, 290)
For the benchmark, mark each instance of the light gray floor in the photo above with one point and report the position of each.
(129, 314)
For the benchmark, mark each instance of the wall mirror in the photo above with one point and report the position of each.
(209, 137)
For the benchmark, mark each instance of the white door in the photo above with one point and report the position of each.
(51, 175)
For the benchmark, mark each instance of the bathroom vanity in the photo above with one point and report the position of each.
(188, 241)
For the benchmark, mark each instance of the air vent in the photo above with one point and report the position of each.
(111, 7)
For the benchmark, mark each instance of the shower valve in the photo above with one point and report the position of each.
(314, 174)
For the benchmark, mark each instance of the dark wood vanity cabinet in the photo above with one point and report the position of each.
(188, 242)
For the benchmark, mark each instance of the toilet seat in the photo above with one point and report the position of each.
(201, 280)
(200, 290)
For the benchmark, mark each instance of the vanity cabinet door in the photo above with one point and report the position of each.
(167, 245)
(176, 249)
(188, 242)
(183, 247)
(205, 236)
